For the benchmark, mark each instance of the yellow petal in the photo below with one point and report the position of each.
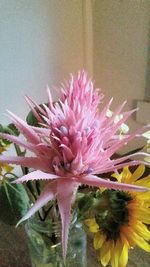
(2, 149)
(98, 240)
(138, 172)
(143, 214)
(116, 253)
(126, 174)
(144, 196)
(8, 168)
(124, 177)
(93, 226)
(105, 253)
(112, 257)
(139, 241)
(89, 222)
(102, 189)
(142, 230)
(116, 175)
(124, 255)
(144, 181)
(127, 234)
(142, 243)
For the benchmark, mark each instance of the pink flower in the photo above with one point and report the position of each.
(76, 143)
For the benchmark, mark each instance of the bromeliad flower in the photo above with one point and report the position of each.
(75, 143)
(121, 221)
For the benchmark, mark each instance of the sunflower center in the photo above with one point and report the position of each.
(113, 212)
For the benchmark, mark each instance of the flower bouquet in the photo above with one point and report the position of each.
(73, 182)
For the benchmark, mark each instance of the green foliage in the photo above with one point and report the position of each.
(9, 129)
(85, 203)
(14, 202)
(31, 119)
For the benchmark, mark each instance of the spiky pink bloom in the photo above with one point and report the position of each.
(75, 143)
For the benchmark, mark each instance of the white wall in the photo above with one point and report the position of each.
(121, 33)
(41, 41)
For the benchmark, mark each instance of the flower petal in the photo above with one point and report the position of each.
(36, 175)
(105, 253)
(139, 240)
(144, 181)
(24, 128)
(33, 109)
(112, 167)
(93, 226)
(138, 172)
(93, 180)
(48, 194)
(18, 141)
(117, 252)
(99, 239)
(65, 196)
(124, 255)
(29, 162)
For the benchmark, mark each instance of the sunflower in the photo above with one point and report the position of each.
(121, 218)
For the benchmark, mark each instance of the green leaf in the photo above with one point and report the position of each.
(14, 202)
(31, 119)
(9, 129)
(13, 129)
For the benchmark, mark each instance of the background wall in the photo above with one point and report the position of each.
(41, 41)
(121, 35)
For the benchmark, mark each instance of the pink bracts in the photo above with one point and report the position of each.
(75, 143)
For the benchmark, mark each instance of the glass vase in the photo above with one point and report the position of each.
(44, 242)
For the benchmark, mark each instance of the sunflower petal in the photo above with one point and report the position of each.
(117, 252)
(138, 172)
(142, 230)
(105, 253)
(144, 181)
(126, 174)
(143, 214)
(139, 240)
(93, 226)
(124, 255)
(99, 240)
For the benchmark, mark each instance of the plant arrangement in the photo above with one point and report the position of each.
(72, 173)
